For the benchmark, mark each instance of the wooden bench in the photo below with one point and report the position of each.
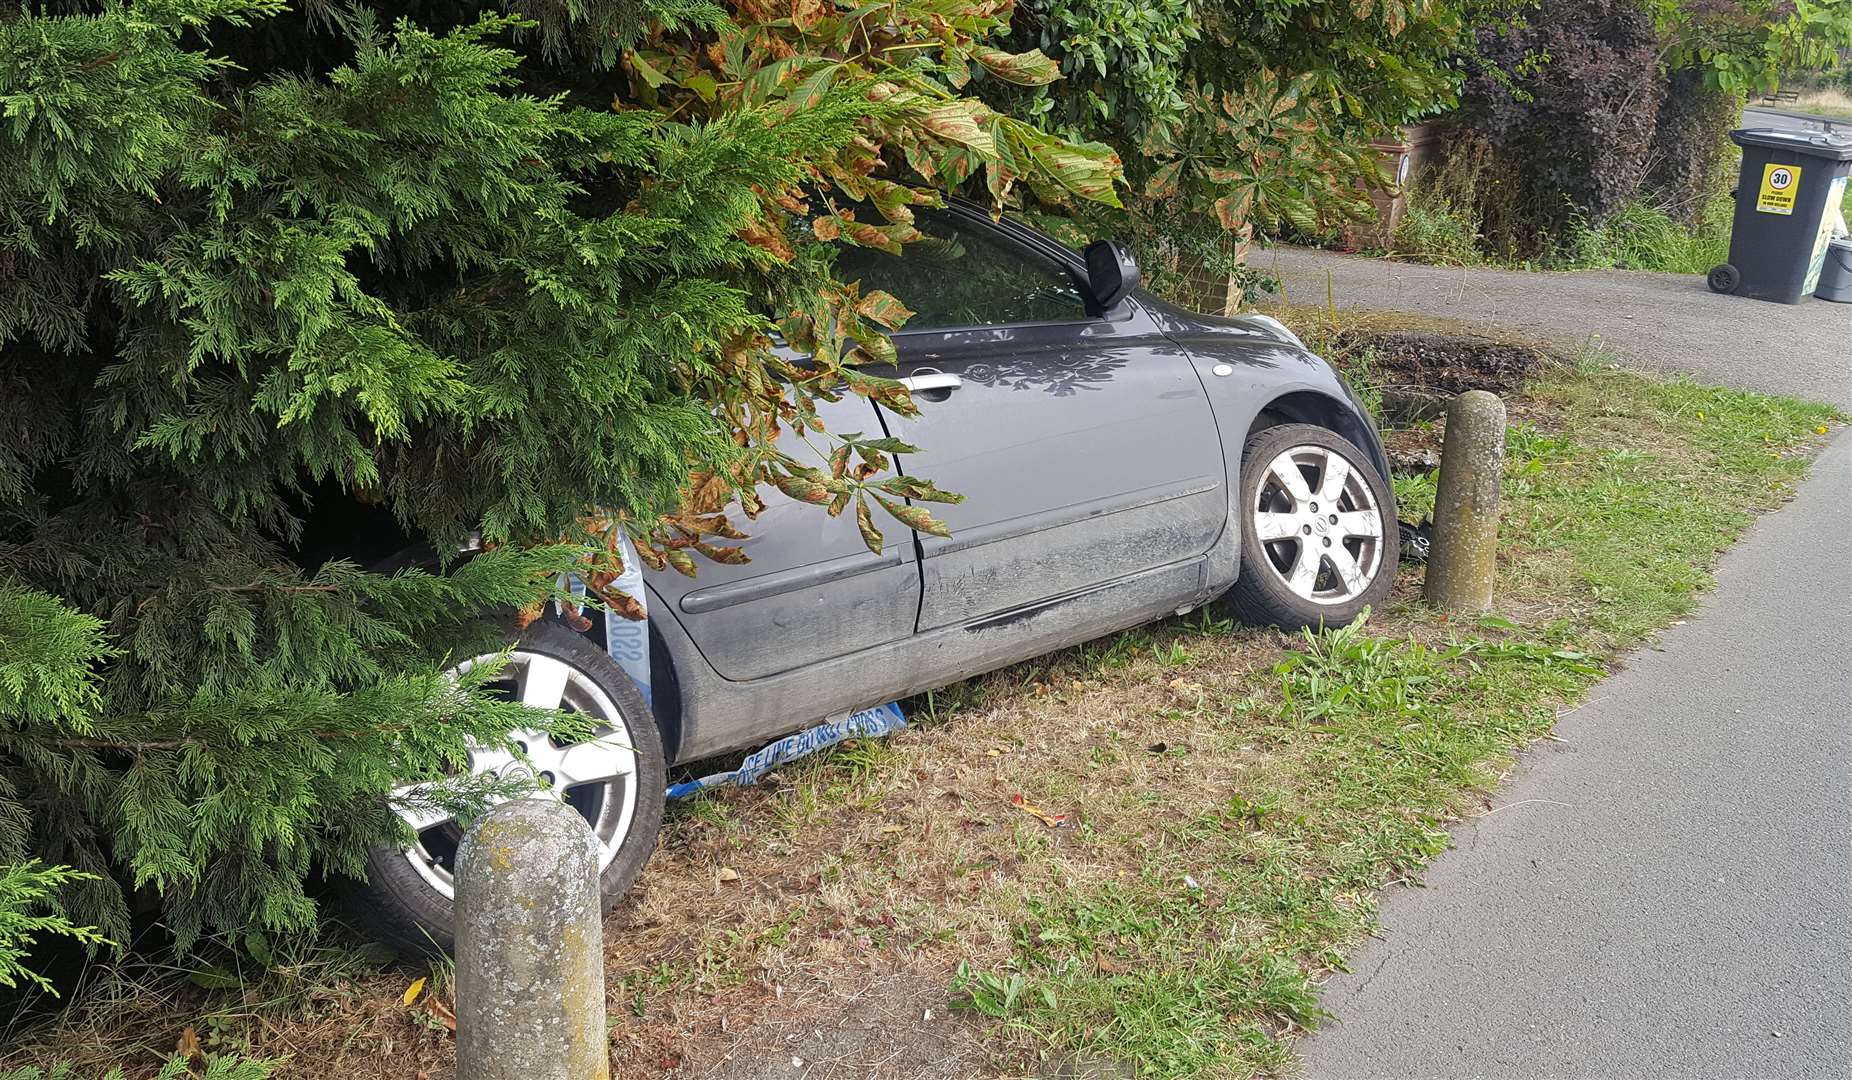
(1781, 97)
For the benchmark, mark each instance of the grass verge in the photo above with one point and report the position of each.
(1228, 803)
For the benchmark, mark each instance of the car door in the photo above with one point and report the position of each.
(1082, 440)
(811, 591)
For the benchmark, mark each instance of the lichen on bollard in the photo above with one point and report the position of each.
(1462, 557)
(530, 947)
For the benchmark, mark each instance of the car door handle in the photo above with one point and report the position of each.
(937, 380)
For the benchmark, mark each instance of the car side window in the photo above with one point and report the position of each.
(964, 275)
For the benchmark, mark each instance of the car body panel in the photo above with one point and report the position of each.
(812, 589)
(719, 715)
(1085, 451)
(1099, 458)
(1273, 371)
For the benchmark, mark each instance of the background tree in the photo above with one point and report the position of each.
(1234, 117)
(1717, 52)
(277, 286)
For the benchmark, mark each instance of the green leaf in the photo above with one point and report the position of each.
(1024, 69)
(647, 71)
(258, 946)
(213, 977)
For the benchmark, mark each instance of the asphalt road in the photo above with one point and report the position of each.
(1664, 894)
(1790, 120)
(1669, 322)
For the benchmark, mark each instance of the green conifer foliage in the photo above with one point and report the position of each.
(265, 272)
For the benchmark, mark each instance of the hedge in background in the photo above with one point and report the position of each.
(1590, 105)
(1238, 117)
(1567, 100)
(1686, 161)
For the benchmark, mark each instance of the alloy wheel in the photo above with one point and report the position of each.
(1318, 521)
(596, 777)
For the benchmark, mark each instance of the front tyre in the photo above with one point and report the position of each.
(615, 780)
(1318, 539)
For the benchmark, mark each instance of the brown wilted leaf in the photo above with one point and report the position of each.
(1024, 69)
(883, 308)
(441, 1011)
(626, 606)
(865, 521)
(719, 554)
(917, 518)
(525, 617)
(802, 488)
(769, 238)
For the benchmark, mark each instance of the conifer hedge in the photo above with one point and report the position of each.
(284, 288)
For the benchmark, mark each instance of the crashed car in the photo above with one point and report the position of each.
(1121, 459)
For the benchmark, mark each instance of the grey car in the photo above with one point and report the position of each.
(1121, 459)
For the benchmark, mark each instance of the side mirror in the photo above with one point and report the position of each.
(1112, 273)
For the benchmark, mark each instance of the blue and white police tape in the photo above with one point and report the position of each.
(627, 640)
(868, 724)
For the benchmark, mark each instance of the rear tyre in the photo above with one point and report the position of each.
(1318, 530)
(1724, 278)
(615, 780)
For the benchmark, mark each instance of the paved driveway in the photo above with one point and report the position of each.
(1792, 120)
(1666, 321)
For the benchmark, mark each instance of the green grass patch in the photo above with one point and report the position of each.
(1620, 494)
(1641, 236)
(1619, 516)
(1644, 237)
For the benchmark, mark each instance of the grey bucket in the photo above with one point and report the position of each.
(1836, 275)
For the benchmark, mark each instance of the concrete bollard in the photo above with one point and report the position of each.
(530, 947)
(1472, 462)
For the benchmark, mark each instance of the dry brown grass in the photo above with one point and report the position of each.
(880, 863)
(1826, 101)
(924, 859)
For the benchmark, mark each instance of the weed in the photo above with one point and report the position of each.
(1116, 652)
(1361, 368)
(1414, 494)
(1206, 621)
(1646, 237)
(1434, 230)
(994, 994)
(1172, 654)
(1456, 216)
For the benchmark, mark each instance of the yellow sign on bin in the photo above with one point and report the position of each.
(1780, 184)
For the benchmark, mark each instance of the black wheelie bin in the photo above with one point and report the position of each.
(1787, 196)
